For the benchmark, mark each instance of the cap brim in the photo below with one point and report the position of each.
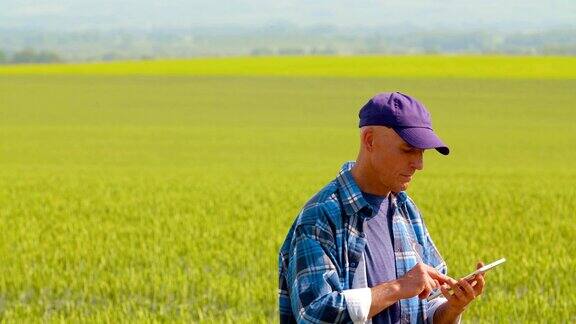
(422, 138)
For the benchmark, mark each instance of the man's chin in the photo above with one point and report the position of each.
(402, 187)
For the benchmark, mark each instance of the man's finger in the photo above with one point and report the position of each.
(458, 293)
(438, 276)
(480, 282)
(452, 281)
(432, 283)
(469, 291)
(425, 293)
(479, 265)
(445, 292)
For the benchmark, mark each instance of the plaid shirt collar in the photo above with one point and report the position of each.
(352, 198)
(350, 193)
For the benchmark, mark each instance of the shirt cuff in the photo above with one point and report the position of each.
(358, 302)
(433, 306)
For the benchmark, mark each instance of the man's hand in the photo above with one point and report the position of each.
(464, 291)
(420, 281)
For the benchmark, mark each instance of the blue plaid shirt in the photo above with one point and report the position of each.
(322, 254)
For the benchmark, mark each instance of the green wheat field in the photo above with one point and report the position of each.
(161, 190)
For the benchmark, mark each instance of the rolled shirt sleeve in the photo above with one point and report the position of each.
(358, 302)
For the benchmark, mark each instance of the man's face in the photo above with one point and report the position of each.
(393, 160)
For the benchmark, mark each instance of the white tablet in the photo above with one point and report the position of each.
(437, 293)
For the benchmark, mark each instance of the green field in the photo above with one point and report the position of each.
(153, 195)
(501, 67)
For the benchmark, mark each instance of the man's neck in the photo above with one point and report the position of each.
(367, 180)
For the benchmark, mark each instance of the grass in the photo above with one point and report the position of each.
(485, 67)
(165, 198)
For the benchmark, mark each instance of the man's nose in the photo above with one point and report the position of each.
(418, 162)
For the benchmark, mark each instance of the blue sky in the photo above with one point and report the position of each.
(148, 14)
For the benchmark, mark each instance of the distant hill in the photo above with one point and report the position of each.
(73, 15)
(90, 30)
(22, 46)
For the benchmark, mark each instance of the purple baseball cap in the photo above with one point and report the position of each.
(408, 117)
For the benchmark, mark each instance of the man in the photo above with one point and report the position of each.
(359, 250)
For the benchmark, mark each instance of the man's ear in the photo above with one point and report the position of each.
(368, 139)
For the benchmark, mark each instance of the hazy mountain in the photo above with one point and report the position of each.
(88, 30)
(68, 15)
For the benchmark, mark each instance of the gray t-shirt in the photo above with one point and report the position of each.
(380, 261)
